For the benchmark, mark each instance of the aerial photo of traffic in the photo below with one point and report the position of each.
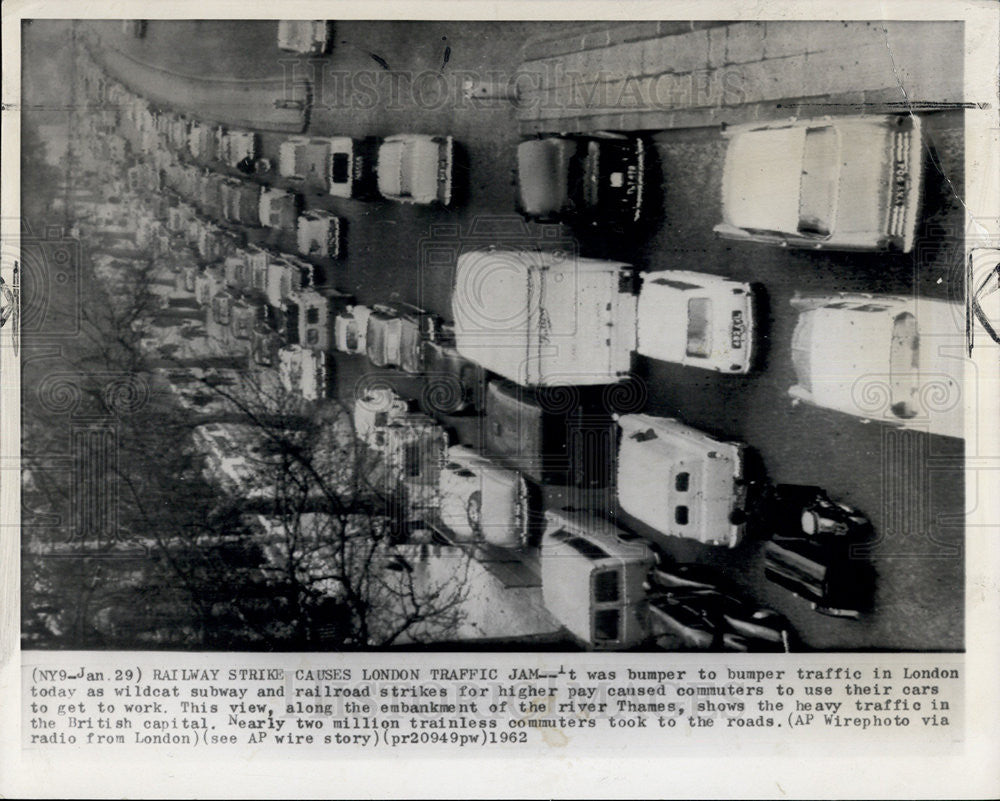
(349, 335)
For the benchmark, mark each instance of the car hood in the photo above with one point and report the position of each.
(761, 179)
(543, 174)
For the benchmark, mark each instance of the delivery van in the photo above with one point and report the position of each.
(593, 580)
(542, 317)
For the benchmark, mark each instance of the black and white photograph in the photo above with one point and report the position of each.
(646, 341)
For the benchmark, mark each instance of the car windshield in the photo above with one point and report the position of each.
(903, 364)
(340, 169)
(351, 335)
(818, 184)
(699, 340)
(592, 174)
(801, 344)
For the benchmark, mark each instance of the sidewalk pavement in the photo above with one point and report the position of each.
(649, 76)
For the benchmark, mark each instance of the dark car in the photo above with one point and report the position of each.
(814, 551)
(695, 607)
(594, 179)
(453, 383)
(822, 572)
(554, 435)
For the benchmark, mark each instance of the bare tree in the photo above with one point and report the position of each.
(297, 547)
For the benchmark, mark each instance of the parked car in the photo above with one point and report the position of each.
(240, 202)
(896, 360)
(352, 167)
(416, 168)
(551, 435)
(202, 141)
(303, 371)
(351, 329)
(454, 384)
(265, 345)
(396, 333)
(593, 580)
(342, 166)
(316, 314)
(279, 209)
(696, 319)
(482, 501)
(374, 408)
(383, 337)
(681, 481)
(234, 146)
(852, 182)
(544, 317)
(590, 179)
(311, 37)
(318, 234)
(306, 158)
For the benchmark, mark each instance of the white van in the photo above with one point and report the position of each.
(593, 580)
(681, 481)
(545, 317)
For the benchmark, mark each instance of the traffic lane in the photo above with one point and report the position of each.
(909, 483)
(249, 48)
(240, 103)
(219, 48)
(393, 250)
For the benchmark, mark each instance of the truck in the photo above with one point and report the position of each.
(540, 317)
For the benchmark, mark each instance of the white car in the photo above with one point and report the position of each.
(374, 408)
(303, 371)
(308, 36)
(341, 165)
(681, 481)
(481, 501)
(351, 329)
(849, 183)
(892, 359)
(235, 146)
(278, 208)
(318, 234)
(416, 168)
(717, 332)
